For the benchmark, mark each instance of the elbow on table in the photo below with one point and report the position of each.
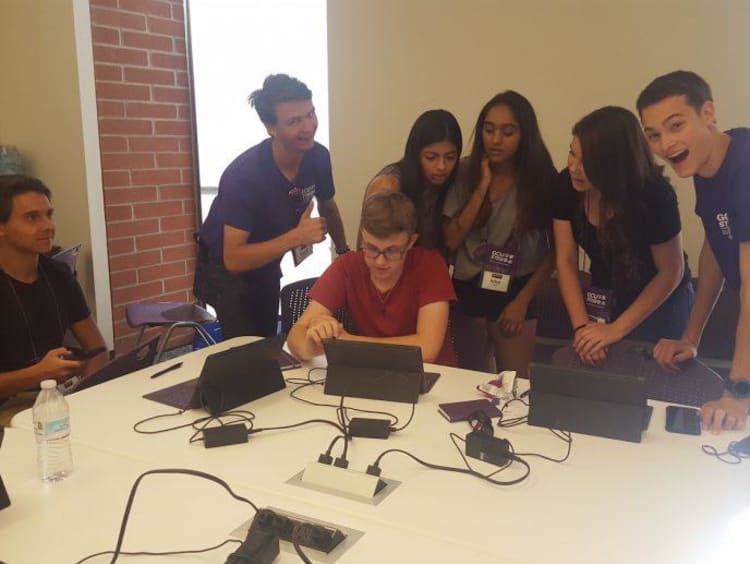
(296, 344)
(430, 353)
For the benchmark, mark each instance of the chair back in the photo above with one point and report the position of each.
(165, 313)
(295, 298)
(140, 357)
(69, 257)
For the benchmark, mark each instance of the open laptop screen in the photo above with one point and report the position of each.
(229, 378)
(587, 401)
(373, 370)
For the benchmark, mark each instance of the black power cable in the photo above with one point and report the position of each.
(173, 553)
(374, 469)
(128, 506)
(299, 534)
(198, 425)
(300, 424)
(307, 382)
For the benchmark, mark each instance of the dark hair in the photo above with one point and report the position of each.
(535, 170)
(677, 83)
(433, 126)
(619, 164)
(277, 88)
(388, 213)
(13, 185)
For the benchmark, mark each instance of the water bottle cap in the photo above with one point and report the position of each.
(48, 384)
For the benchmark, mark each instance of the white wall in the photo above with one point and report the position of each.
(49, 116)
(40, 110)
(389, 60)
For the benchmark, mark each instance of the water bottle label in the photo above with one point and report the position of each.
(57, 426)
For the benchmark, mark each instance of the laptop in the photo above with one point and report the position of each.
(585, 401)
(229, 378)
(376, 371)
(694, 384)
(287, 361)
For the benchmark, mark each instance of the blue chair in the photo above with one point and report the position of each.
(171, 315)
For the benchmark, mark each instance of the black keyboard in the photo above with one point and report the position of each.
(179, 395)
(695, 384)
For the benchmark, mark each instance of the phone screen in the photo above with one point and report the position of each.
(685, 420)
(79, 354)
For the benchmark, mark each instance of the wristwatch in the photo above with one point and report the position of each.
(343, 251)
(740, 389)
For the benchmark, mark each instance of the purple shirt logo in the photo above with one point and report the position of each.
(300, 197)
(723, 220)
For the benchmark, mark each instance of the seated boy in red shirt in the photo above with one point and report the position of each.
(393, 293)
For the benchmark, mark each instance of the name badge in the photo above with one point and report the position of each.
(301, 253)
(599, 304)
(499, 264)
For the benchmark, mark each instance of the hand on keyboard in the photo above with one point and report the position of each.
(670, 353)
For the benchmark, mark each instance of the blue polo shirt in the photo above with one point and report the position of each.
(723, 204)
(255, 196)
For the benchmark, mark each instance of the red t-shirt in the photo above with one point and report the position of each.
(424, 280)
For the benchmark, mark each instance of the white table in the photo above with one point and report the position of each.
(662, 500)
(66, 521)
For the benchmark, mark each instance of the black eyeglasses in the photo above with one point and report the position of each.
(390, 254)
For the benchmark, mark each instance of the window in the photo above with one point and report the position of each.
(234, 45)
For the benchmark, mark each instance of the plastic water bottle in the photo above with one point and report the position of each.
(52, 430)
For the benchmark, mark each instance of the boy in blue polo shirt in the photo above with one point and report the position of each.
(263, 209)
(679, 120)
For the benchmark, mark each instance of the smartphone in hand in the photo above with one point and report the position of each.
(74, 353)
(685, 420)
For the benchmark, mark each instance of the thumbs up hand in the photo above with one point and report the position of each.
(310, 229)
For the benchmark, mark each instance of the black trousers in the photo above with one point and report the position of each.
(244, 306)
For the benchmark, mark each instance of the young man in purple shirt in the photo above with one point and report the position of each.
(263, 209)
(679, 119)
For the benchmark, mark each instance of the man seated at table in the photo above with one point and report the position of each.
(40, 299)
(393, 292)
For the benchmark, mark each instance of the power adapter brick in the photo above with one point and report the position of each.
(487, 448)
(370, 428)
(225, 435)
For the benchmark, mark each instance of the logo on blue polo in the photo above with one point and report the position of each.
(308, 193)
(723, 220)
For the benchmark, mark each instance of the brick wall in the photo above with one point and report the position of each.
(144, 134)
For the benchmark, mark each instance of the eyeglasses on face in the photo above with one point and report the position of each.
(390, 254)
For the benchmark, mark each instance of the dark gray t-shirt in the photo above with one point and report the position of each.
(531, 247)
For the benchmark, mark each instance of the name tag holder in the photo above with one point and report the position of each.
(301, 253)
(499, 265)
(599, 304)
(300, 198)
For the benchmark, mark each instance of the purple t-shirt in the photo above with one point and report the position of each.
(255, 196)
(723, 204)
